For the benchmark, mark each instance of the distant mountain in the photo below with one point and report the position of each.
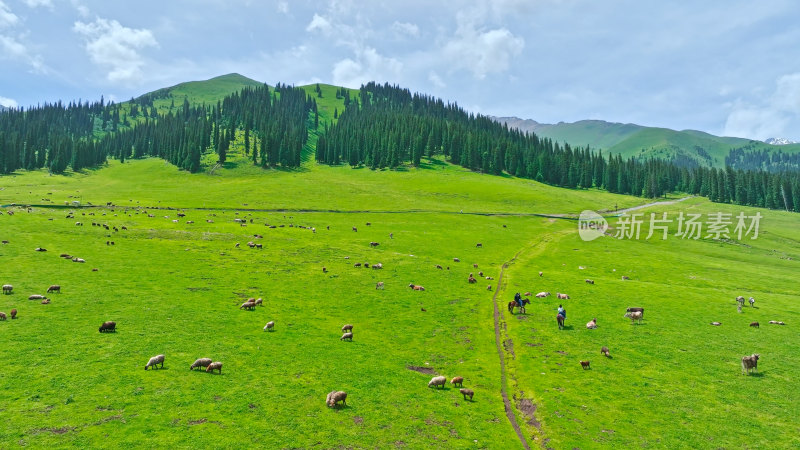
(687, 147)
(779, 141)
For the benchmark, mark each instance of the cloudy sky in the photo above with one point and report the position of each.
(723, 66)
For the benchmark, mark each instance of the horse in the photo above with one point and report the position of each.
(560, 320)
(514, 303)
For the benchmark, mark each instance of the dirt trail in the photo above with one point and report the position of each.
(498, 341)
(666, 202)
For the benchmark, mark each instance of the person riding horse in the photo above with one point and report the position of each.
(518, 299)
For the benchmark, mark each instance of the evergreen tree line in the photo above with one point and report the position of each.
(82, 135)
(748, 158)
(388, 126)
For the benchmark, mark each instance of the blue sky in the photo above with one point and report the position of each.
(726, 67)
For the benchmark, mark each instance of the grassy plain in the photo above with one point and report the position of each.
(174, 288)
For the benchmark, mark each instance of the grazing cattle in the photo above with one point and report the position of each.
(635, 309)
(479, 245)
(65, 255)
(527, 294)
(456, 260)
(54, 288)
(5, 242)
(78, 224)
(355, 229)
(490, 278)
(7, 288)
(592, 324)
(716, 324)
(357, 265)
(542, 294)
(377, 266)
(324, 270)
(467, 392)
(108, 327)
(78, 260)
(36, 297)
(474, 266)
(379, 285)
(472, 279)
(415, 287)
(589, 281)
(489, 287)
(585, 365)
(754, 324)
(740, 300)
(439, 267)
(750, 363)
(13, 314)
(374, 244)
(40, 249)
(46, 301)
(562, 296)
(634, 316)
(480, 274)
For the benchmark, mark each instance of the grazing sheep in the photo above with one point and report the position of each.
(592, 324)
(107, 327)
(336, 397)
(2, 315)
(456, 260)
(46, 301)
(472, 279)
(270, 326)
(355, 229)
(357, 265)
(36, 297)
(40, 249)
(541, 274)
(585, 365)
(65, 256)
(347, 327)
(740, 300)
(562, 296)
(248, 305)
(634, 316)
(474, 266)
(14, 313)
(324, 269)
(542, 294)
(7, 288)
(259, 246)
(457, 381)
(415, 287)
(589, 281)
(527, 294)
(377, 266)
(752, 302)
(5, 242)
(625, 277)
(214, 366)
(202, 362)
(438, 266)
(467, 392)
(604, 351)
(775, 322)
(379, 285)
(635, 309)
(95, 269)
(155, 360)
(437, 381)
(480, 274)
(78, 260)
(750, 363)
(347, 336)
(716, 324)
(754, 324)
(259, 302)
(54, 288)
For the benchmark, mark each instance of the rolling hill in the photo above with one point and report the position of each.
(686, 147)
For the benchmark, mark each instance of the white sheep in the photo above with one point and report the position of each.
(270, 326)
(155, 360)
(437, 381)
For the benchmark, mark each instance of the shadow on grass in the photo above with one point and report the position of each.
(567, 327)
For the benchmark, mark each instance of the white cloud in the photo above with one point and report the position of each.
(116, 48)
(8, 102)
(369, 65)
(434, 78)
(80, 8)
(37, 3)
(770, 118)
(7, 18)
(482, 52)
(405, 28)
(319, 23)
(283, 7)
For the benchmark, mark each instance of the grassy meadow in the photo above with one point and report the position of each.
(174, 288)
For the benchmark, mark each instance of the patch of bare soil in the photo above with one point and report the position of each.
(529, 410)
(425, 370)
